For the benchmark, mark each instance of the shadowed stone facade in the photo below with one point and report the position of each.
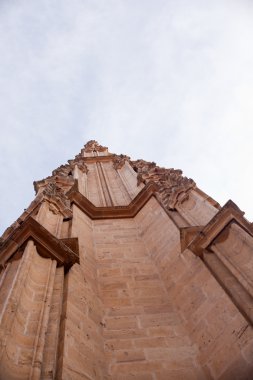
(120, 269)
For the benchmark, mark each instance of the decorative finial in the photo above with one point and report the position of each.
(93, 146)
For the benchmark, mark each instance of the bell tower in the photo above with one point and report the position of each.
(120, 269)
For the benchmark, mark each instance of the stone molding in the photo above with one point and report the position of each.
(63, 170)
(204, 235)
(93, 145)
(47, 244)
(112, 212)
(172, 186)
(202, 241)
(187, 235)
(90, 147)
(119, 161)
(63, 183)
(131, 282)
(55, 195)
(32, 287)
(58, 201)
(81, 165)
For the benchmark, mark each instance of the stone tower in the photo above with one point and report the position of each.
(120, 269)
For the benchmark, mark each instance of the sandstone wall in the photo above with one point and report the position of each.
(222, 334)
(104, 185)
(135, 306)
(31, 290)
(81, 343)
(197, 210)
(143, 332)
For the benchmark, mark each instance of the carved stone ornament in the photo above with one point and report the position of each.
(172, 186)
(63, 170)
(53, 191)
(79, 162)
(92, 146)
(119, 161)
(63, 176)
(81, 165)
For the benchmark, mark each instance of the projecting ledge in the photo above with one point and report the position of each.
(225, 246)
(199, 238)
(112, 212)
(64, 251)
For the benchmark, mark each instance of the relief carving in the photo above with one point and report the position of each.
(57, 199)
(172, 186)
(53, 191)
(67, 170)
(63, 170)
(81, 165)
(79, 162)
(93, 145)
(119, 161)
(62, 177)
(53, 209)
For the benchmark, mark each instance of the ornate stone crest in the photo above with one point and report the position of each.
(172, 186)
(119, 161)
(53, 191)
(92, 146)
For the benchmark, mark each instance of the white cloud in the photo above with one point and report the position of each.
(169, 81)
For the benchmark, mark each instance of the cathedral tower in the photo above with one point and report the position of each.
(122, 270)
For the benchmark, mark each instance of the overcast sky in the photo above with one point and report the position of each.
(166, 81)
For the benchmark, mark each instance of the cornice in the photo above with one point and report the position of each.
(199, 238)
(93, 159)
(59, 181)
(172, 187)
(47, 244)
(113, 212)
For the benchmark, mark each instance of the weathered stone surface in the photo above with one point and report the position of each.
(121, 269)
